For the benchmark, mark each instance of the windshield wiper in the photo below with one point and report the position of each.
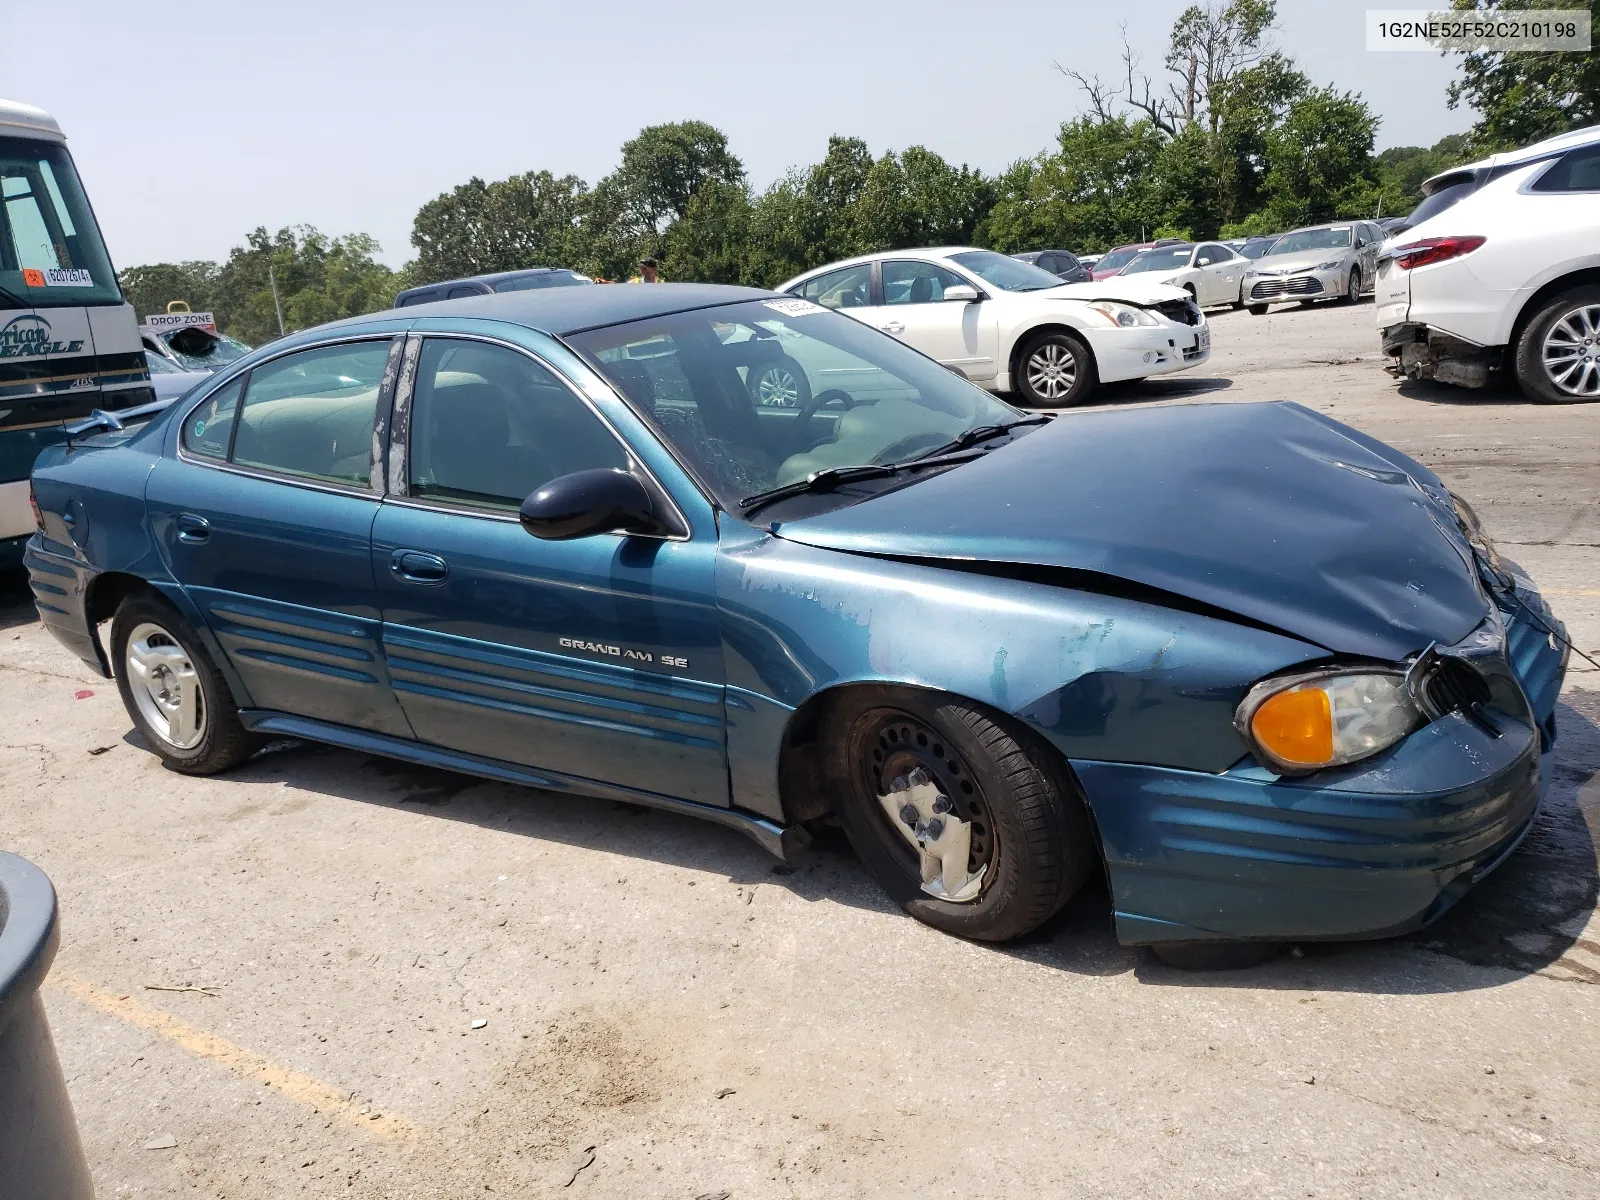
(831, 477)
(980, 433)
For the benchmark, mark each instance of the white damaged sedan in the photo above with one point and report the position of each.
(1009, 326)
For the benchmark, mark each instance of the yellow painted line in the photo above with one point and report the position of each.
(246, 1064)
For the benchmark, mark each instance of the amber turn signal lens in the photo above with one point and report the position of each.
(1296, 726)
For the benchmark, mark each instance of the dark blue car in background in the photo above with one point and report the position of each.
(1263, 671)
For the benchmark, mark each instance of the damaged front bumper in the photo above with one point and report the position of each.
(1421, 352)
(1376, 849)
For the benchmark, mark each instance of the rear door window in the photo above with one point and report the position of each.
(311, 414)
(1575, 171)
(208, 430)
(850, 287)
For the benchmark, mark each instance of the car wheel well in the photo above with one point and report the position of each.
(1535, 302)
(1033, 331)
(105, 595)
(802, 788)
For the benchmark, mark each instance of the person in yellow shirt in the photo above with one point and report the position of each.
(649, 272)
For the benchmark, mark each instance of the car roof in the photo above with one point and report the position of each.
(1549, 148)
(905, 251)
(562, 311)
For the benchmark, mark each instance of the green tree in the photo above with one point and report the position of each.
(665, 165)
(318, 278)
(530, 220)
(1525, 97)
(709, 242)
(1319, 160)
(150, 288)
(1098, 188)
(916, 198)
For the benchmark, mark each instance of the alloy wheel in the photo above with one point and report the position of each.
(1052, 370)
(777, 387)
(165, 686)
(1352, 289)
(1572, 352)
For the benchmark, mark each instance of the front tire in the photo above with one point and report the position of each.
(1558, 354)
(1258, 310)
(1352, 288)
(1027, 845)
(173, 691)
(1055, 370)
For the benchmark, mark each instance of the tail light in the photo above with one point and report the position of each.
(38, 517)
(1434, 250)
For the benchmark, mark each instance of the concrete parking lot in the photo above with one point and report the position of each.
(332, 975)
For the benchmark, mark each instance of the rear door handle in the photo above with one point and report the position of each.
(418, 566)
(193, 529)
(894, 327)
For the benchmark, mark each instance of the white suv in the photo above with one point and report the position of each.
(1009, 326)
(1501, 269)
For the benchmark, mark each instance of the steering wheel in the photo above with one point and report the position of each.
(802, 420)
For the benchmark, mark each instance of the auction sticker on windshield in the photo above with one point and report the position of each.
(795, 308)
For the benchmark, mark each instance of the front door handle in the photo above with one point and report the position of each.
(192, 529)
(418, 566)
(894, 327)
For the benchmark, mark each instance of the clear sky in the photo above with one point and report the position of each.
(193, 123)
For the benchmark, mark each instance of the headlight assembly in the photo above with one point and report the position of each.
(1125, 315)
(1331, 265)
(1302, 723)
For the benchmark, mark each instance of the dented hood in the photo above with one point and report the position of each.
(1268, 511)
(1134, 289)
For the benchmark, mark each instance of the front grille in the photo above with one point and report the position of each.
(1454, 686)
(1191, 353)
(1185, 312)
(1305, 285)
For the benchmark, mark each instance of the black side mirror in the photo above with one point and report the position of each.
(585, 503)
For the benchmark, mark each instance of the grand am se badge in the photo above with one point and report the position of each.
(622, 652)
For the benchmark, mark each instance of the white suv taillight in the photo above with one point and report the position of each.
(1434, 250)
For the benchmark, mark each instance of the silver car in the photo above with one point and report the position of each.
(1337, 261)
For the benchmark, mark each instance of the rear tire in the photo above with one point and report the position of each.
(1029, 827)
(173, 691)
(780, 384)
(1562, 341)
(1055, 370)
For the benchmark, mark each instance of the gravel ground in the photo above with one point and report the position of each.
(410, 983)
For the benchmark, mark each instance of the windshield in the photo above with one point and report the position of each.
(1256, 248)
(160, 364)
(755, 395)
(1336, 238)
(1435, 204)
(1168, 259)
(1004, 272)
(51, 255)
(199, 349)
(1117, 259)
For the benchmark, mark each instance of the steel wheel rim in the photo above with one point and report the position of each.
(1354, 288)
(1052, 371)
(1571, 352)
(776, 387)
(899, 744)
(165, 686)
